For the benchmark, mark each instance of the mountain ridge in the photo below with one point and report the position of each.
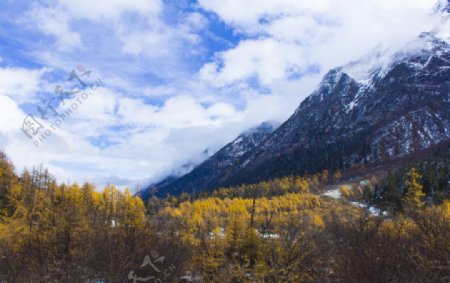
(218, 163)
(378, 109)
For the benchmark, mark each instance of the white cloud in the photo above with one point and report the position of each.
(162, 43)
(268, 59)
(54, 22)
(21, 84)
(165, 100)
(11, 114)
(57, 20)
(164, 90)
(246, 15)
(150, 142)
(109, 9)
(299, 34)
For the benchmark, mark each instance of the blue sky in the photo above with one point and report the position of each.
(178, 77)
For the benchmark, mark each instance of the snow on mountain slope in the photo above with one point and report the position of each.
(443, 6)
(218, 165)
(365, 113)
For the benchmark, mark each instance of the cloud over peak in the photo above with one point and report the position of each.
(179, 76)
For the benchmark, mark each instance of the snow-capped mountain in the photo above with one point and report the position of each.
(246, 141)
(364, 113)
(175, 173)
(386, 106)
(443, 6)
(216, 167)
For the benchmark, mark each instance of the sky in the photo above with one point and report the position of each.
(126, 91)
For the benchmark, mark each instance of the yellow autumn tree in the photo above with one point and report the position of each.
(337, 176)
(414, 191)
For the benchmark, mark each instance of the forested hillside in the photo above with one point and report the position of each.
(434, 170)
(275, 231)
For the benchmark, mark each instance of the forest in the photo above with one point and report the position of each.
(275, 231)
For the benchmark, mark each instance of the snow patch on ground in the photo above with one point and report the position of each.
(374, 211)
(358, 204)
(336, 194)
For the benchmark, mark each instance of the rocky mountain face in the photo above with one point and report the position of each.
(364, 113)
(218, 167)
(386, 106)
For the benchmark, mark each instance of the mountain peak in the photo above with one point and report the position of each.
(388, 105)
(443, 6)
(264, 127)
(204, 176)
(249, 139)
(391, 104)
